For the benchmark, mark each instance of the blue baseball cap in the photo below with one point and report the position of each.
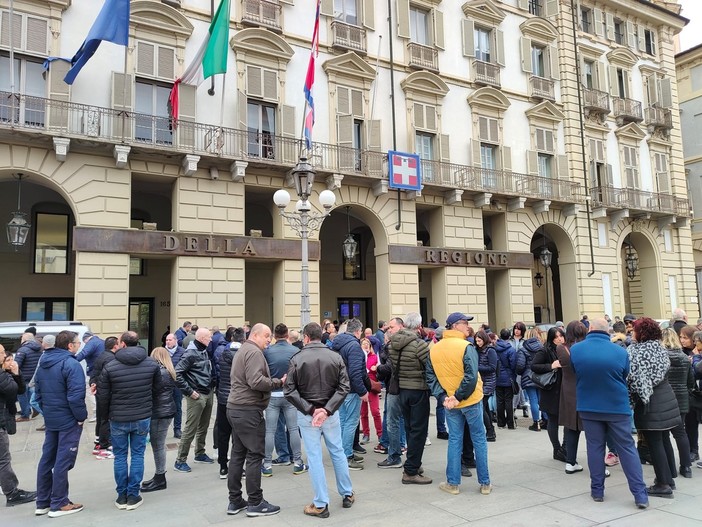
(456, 317)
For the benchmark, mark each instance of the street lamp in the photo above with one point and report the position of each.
(539, 278)
(631, 260)
(18, 227)
(545, 257)
(304, 222)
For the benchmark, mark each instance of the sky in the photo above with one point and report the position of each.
(692, 34)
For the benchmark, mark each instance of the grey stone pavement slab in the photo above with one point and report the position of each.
(529, 488)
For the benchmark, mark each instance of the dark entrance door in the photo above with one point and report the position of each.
(360, 308)
(141, 320)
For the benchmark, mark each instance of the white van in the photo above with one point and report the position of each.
(11, 332)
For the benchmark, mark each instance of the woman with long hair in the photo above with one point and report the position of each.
(532, 345)
(567, 407)
(687, 340)
(518, 337)
(487, 367)
(371, 346)
(545, 361)
(655, 407)
(682, 380)
(161, 416)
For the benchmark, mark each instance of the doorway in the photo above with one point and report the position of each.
(141, 313)
(360, 308)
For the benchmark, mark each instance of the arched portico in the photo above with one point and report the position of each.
(643, 290)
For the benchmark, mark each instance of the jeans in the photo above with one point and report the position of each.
(129, 439)
(505, 410)
(158, 432)
(58, 456)
(276, 406)
(533, 395)
(393, 437)
(415, 409)
(440, 417)
(224, 435)
(282, 440)
(33, 402)
(349, 414)
(197, 422)
(8, 478)
(571, 438)
(248, 439)
(178, 400)
(24, 398)
(618, 427)
(456, 419)
(312, 437)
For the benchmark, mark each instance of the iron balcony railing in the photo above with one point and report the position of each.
(151, 133)
(629, 198)
(423, 57)
(486, 73)
(542, 88)
(627, 110)
(348, 36)
(659, 117)
(595, 100)
(261, 13)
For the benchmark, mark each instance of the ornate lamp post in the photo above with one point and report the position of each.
(631, 261)
(304, 222)
(18, 227)
(545, 257)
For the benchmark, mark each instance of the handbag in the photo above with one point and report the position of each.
(376, 387)
(545, 381)
(515, 387)
(696, 399)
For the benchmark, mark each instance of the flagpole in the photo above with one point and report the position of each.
(124, 90)
(221, 109)
(12, 60)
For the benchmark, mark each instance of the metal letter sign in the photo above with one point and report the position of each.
(404, 171)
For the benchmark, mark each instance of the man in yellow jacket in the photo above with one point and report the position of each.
(453, 378)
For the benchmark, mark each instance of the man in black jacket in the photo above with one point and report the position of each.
(125, 392)
(27, 358)
(102, 422)
(11, 384)
(317, 385)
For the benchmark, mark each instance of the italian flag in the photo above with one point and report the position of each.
(211, 58)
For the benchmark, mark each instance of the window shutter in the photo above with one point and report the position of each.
(288, 129)
(599, 28)
(609, 176)
(526, 54)
(506, 158)
(368, 14)
(419, 115)
(600, 78)
(343, 100)
(374, 137)
(609, 17)
(444, 150)
(187, 95)
(553, 62)
(327, 8)
(145, 58)
(641, 38)
(551, 8)
(345, 130)
(563, 172)
(666, 93)
(662, 173)
(544, 140)
(532, 163)
(475, 153)
(242, 110)
(468, 38)
(631, 34)
(625, 76)
(430, 117)
(653, 42)
(483, 129)
(254, 84)
(166, 63)
(357, 103)
(59, 91)
(270, 85)
(523, 4)
(122, 86)
(613, 83)
(37, 35)
(438, 29)
(593, 150)
(500, 46)
(403, 19)
(652, 90)
(16, 30)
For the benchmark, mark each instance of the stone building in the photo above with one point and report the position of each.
(541, 125)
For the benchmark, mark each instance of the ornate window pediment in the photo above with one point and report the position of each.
(484, 11)
(622, 57)
(539, 29)
(160, 18)
(631, 131)
(349, 65)
(425, 83)
(263, 43)
(545, 111)
(488, 98)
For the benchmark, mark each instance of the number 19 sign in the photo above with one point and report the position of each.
(404, 171)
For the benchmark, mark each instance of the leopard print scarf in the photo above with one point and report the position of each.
(649, 364)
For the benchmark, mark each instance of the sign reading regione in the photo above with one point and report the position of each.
(404, 171)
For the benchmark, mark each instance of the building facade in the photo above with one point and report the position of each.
(540, 124)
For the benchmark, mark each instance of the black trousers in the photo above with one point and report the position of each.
(552, 429)
(682, 442)
(414, 405)
(571, 438)
(248, 445)
(692, 429)
(489, 427)
(662, 456)
(224, 434)
(505, 411)
(102, 427)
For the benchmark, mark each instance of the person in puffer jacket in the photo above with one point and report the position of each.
(532, 345)
(487, 366)
(506, 363)
(27, 358)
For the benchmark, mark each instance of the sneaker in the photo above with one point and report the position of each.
(182, 467)
(447, 487)
(427, 441)
(300, 469)
(348, 501)
(387, 463)
(40, 511)
(281, 462)
(134, 502)
(354, 465)
(465, 472)
(417, 479)
(485, 489)
(380, 449)
(365, 440)
(611, 459)
(319, 512)
(41, 428)
(642, 505)
(235, 507)
(121, 502)
(19, 496)
(572, 469)
(357, 458)
(223, 473)
(607, 473)
(70, 508)
(597, 499)
(699, 464)
(204, 458)
(266, 472)
(97, 450)
(105, 454)
(560, 455)
(535, 427)
(262, 509)
(442, 435)
(358, 449)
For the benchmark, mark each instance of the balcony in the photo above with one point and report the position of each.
(486, 73)
(541, 88)
(595, 101)
(261, 13)
(641, 200)
(658, 118)
(423, 57)
(347, 36)
(627, 111)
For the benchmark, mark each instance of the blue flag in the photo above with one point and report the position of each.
(112, 25)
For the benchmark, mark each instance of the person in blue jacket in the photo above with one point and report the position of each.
(506, 362)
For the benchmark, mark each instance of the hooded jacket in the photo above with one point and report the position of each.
(27, 358)
(506, 363)
(525, 357)
(350, 350)
(126, 385)
(224, 356)
(91, 350)
(163, 406)
(414, 352)
(487, 366)
(59, 387)
(681, 378)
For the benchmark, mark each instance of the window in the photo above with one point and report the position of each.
(261, 127)
(488, 156)
(482, 39)
(424, 145)
(535, 7)
(586, 19)
(538, 63)
(419, 26)
(51, 243)
(650, 42)
(545, 165)
(588, 74)
(622, 83)
(346, 11)
(631, 167)
(151, 122)
(43, 309)
(29, 81)
(619, 31)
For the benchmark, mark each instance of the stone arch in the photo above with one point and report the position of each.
(539, 28)
(160, 17)
(258, 41)
(488, 97)
(370, 215)
(426, 83)
(37, 178)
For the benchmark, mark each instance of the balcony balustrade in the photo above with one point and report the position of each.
(348, 36)
(261, 13)
(423, 57)
(658, 118)
(542, 88)
(627, 110)
(643, 200)
(486, 73)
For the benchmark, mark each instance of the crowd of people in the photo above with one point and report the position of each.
(281, 390)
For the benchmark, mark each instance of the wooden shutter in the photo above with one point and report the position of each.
(425, 116)
(122, 86)
(506, 158)
(553, 62)
(254, 81)
(16, 30)
(652, 90)
(37, 35)
(368, 14)
(609, 176)
(625, 77)
(551, 8)
(631, 34)
(641, 40)
(374, 137)
(600, 80)
(343, 100)
(662, 175)
(475, 153)
(187, 96)
(347, 157)
(653, 42)
(544, 140)
(500, 46)
(525, 47)
(60, 91)
(357, 103)
(438, 28)
(165, 67)
(145, 58)
(468, 38)
(613, 82)
(327, 8)
(290, 131)
(597, 20)
(563, 172)
(242, 110)
(270, 85)
(403, 18)
(488, 130)
(444, 150)
(609, 17)
(532, 162)
(666, 93)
